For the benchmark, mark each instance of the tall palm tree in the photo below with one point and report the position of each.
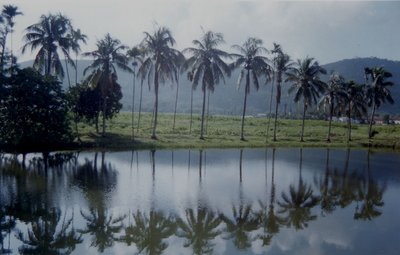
(253, 65)
(334, 92)
(51, 34)
(135, 55)
(353, 103)
(9, 12)
(107, 57)
(77, 37)
(282, 63)
(378, 92)
(306, 84)
(160, 63)
(207, 66)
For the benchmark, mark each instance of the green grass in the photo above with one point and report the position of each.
(224, 132)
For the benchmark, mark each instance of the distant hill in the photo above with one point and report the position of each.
(226, 99)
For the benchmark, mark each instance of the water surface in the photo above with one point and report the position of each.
(252, 201)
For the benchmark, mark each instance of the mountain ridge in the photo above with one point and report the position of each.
(226, 99)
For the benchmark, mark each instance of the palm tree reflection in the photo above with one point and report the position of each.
(298, 203)
(45, 237)
(199, 229)
(370, 194)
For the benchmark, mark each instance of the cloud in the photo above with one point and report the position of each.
(325, 30)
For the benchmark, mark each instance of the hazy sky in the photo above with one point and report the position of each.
(325, 30)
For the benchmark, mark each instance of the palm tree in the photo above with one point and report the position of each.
(354, 103)
(199, 229)
(306, 83)
(253, 64)
(135, 55)
(107, 57)
(9, 12)
(332, 97)
(207, 66)
(51, 34)
(77, 36)
(282, 64)
(378, 92)
(161, 62)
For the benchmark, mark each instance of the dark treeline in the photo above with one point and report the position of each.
(155, 61)
(51, 228)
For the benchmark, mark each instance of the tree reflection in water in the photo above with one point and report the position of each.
(370, 194)
(45, 238)
(244, 221)
(31, 215)
(270, 221)
(298, 203)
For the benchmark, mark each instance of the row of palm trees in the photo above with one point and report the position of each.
(206, 65)
(198, 226)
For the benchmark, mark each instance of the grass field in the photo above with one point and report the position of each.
(224, 132)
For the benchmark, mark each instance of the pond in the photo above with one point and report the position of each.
(251, 201)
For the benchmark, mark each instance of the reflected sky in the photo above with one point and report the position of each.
(251, 201)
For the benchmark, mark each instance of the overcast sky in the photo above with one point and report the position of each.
(326, 30)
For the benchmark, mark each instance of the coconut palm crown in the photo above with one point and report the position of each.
(207, 66)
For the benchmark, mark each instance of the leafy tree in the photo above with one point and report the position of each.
(160, 63)
(378, 91)
(107, 57)
(253, 65)
(306, 84)
(207, 66)
(33, 111)
(332, 97)
(51, 34)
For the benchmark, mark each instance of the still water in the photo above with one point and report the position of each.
(252, 201)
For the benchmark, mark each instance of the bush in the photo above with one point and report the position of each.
(33, 112)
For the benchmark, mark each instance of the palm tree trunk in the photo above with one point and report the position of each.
(153, 135)
(103, 132)
(133, 106)
(371, 121)
(200, 164)
(140, 105)
(270, 106)
(76, 69)
(176, 104)
(202, 112)
(302, 125)
(245, 104)
(67, 69)
(208, 109)
(240, 165)
(328, 139)
(48, 67)
(278, 92)
(349, 123)
(191, 111)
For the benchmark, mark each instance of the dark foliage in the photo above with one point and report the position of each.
(33, 112)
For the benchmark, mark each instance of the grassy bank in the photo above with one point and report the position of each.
(224, 132)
